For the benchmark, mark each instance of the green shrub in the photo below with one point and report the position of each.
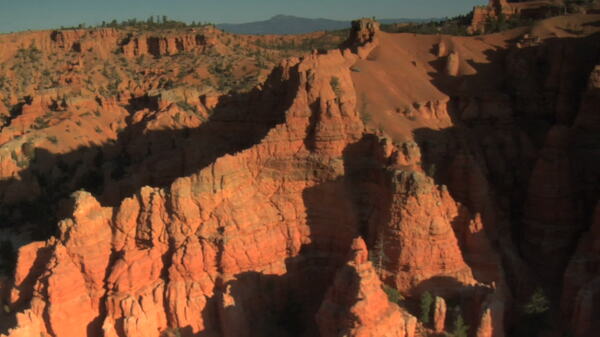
(28, 150)
(172, 332)
(538, 303)
(460, 329)
(534, 316)
(426, 303)
(40, 123)
(393, 295)
(335, 86)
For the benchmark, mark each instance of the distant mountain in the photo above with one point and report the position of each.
(287, 24)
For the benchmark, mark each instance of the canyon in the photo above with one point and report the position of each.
(325, 195)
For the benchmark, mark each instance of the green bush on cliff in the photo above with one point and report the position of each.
(534, 316)
(393, 295)
(426, 302)
(460, 329)
(335, 86)
(452, 26)
(538, 303)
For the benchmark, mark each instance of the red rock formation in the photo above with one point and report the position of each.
(492, 312)
(503, 8)
(453, 64)
(357, 306)
(442, 49)
(439, 314)
(163, 45)
(158, 262)
(420, 242)
(240, 235)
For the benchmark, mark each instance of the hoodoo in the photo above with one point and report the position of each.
(184, 181)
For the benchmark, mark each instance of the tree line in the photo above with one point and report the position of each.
(152, 22)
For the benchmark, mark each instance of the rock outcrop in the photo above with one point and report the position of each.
(173, 258)
(158, 46)
(453, 64)
(439, 314)
(497, 9)
(421, 245)
(356, 305)
(232, 215)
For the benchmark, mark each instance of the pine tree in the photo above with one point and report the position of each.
(426, 302)
(460, 328)
(378, 257)
(538, 303)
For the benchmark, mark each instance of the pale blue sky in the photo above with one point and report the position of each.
(16, 15)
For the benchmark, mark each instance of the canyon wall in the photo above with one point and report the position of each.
(473, 187)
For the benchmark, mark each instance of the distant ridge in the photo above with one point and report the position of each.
(288, 24)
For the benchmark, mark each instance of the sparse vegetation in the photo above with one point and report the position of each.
(538, 303)
(459, 329)
(502, 23)
(452, 26)
(431, 170)
(363, 110)
(393, 295)
(335, 86)
(534, 315)
(172, 332)
(40, 123)
(28, 150)
(185, 106)
(26, 66)
(377, 254)
(151, 23)
(425, 304)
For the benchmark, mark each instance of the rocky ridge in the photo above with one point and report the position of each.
(251, 238)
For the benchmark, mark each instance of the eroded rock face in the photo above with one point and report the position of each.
(439, 314)
(507, 9)
(249, 235)
(164, 45)
(422, 246)
(174, 257)
(453, 64)
(356, 305)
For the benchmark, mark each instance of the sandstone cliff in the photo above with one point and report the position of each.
(356, 305)
(236, 219)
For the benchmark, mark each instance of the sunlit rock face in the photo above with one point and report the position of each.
(326, 201)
